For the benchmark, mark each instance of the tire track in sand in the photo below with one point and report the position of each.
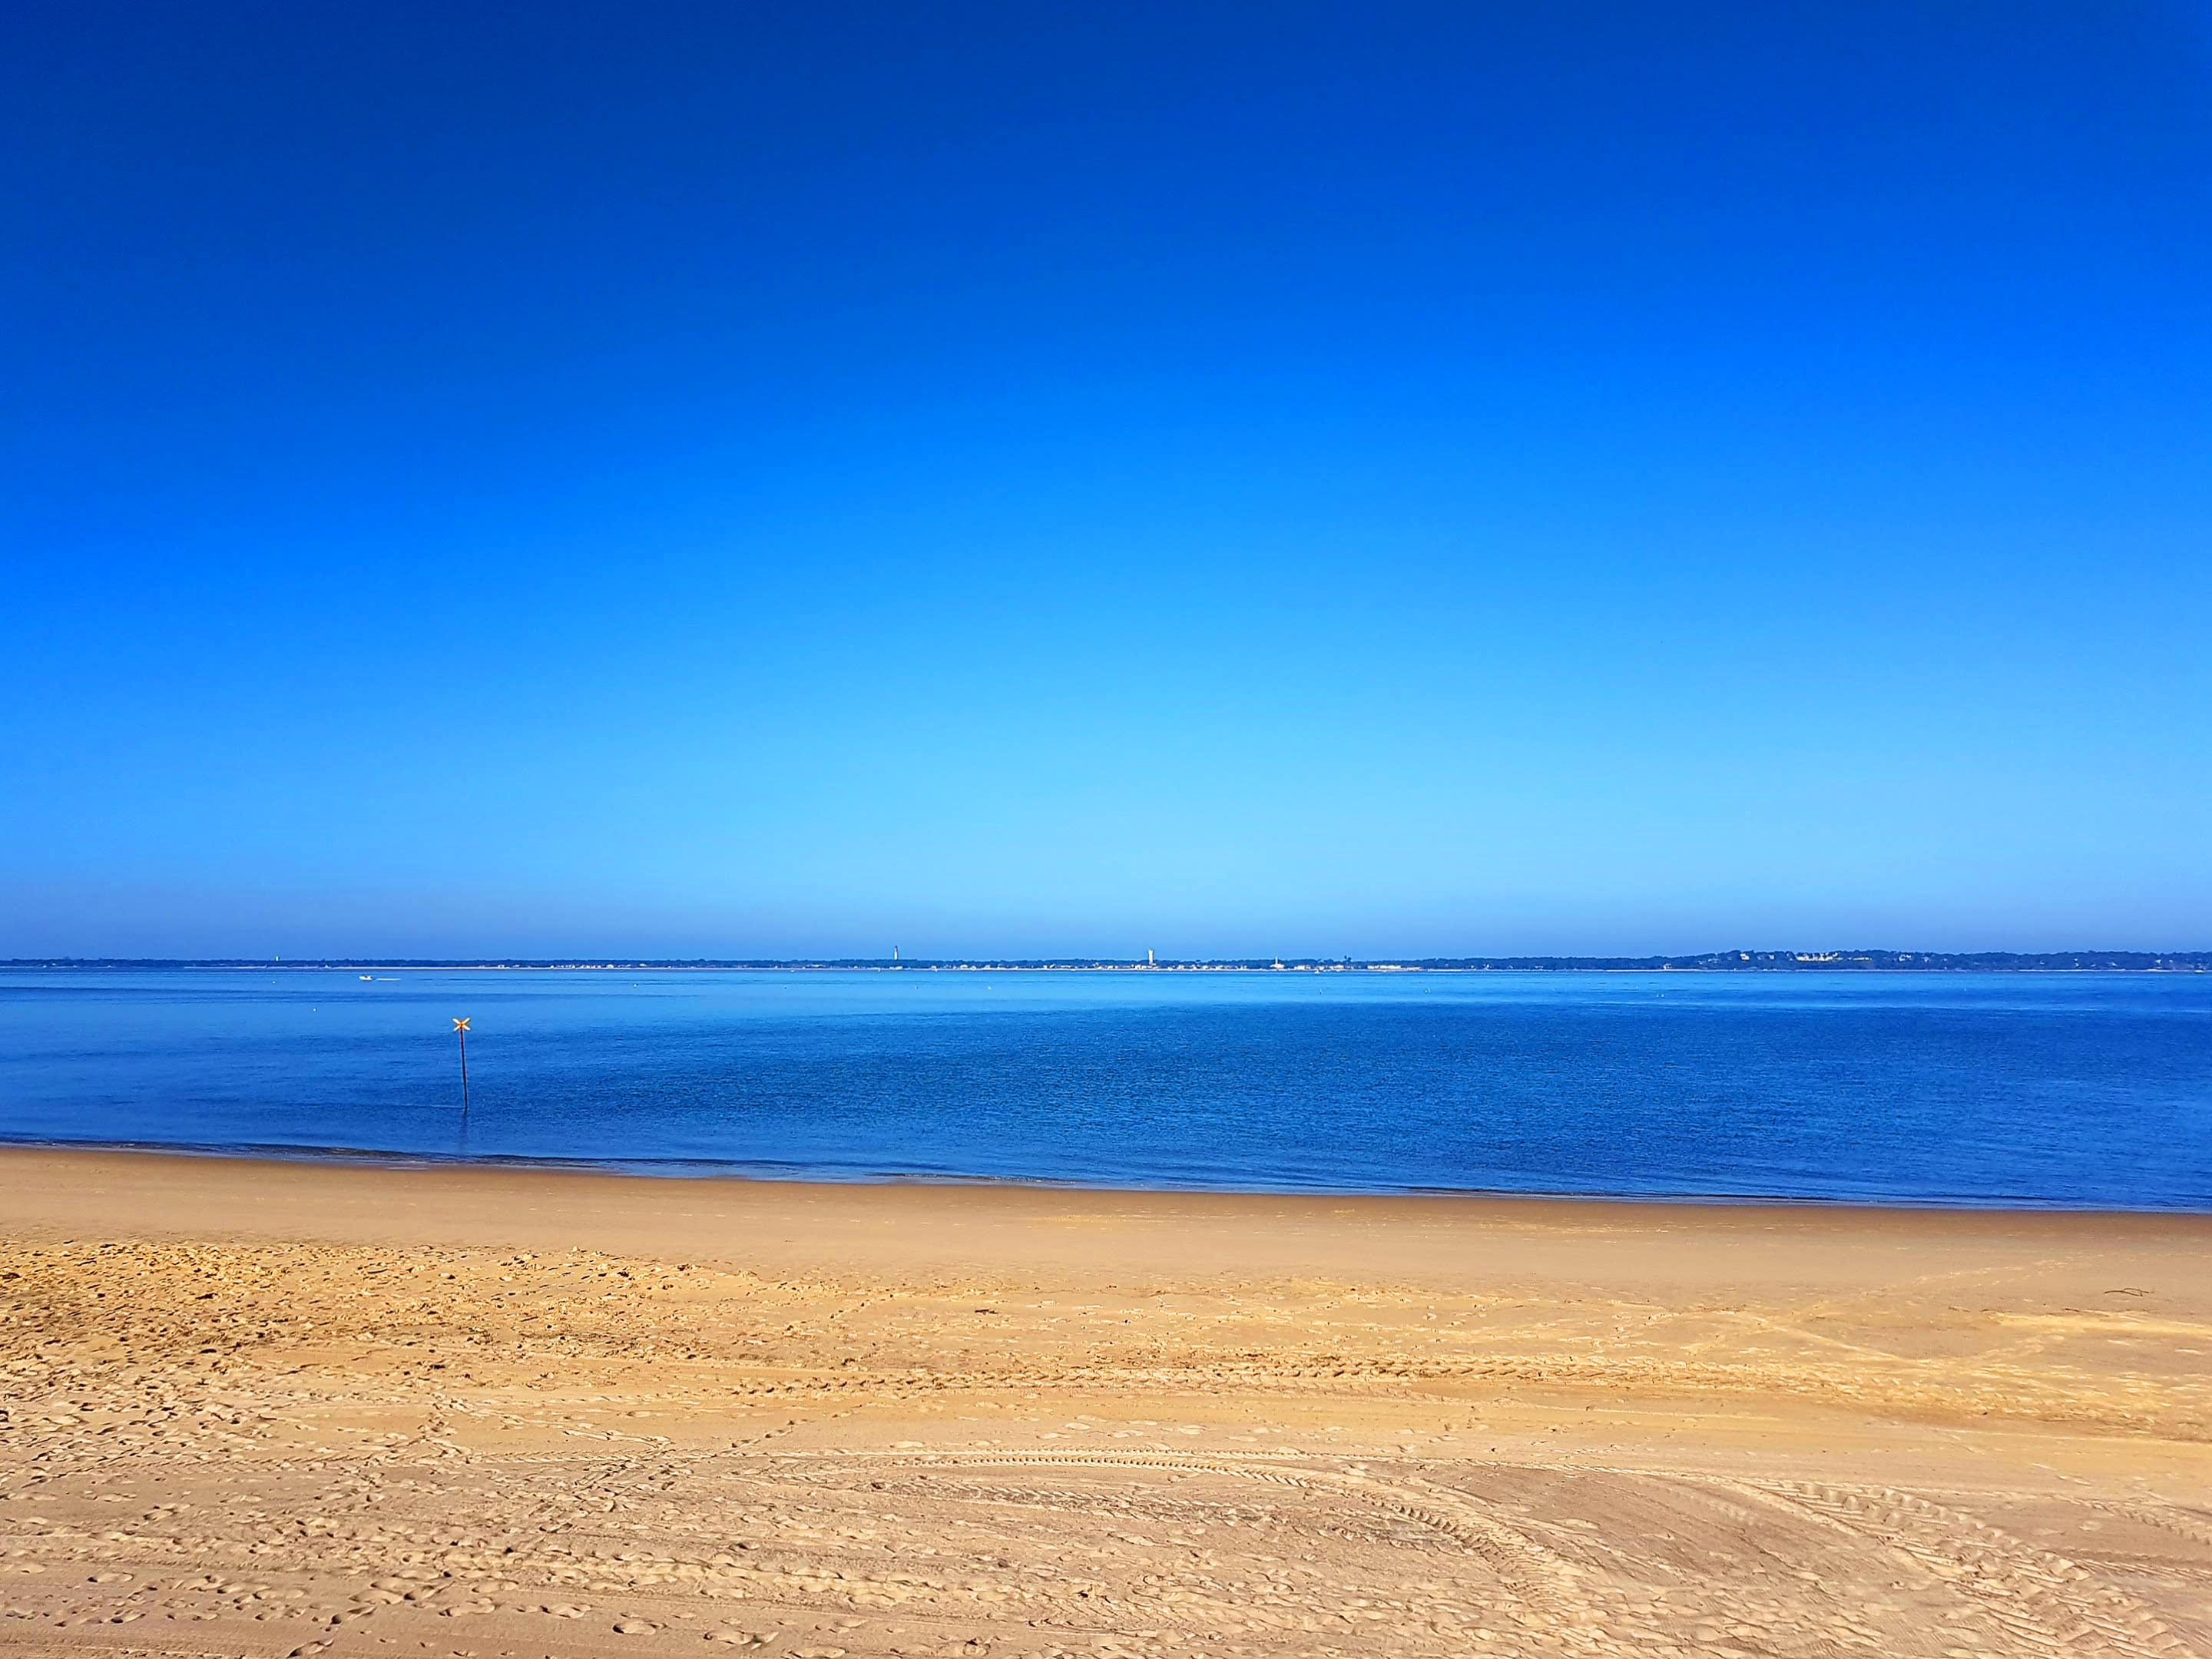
(1544, 1580)
(2041, 1598)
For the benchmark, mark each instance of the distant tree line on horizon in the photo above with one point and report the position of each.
(1709, 961)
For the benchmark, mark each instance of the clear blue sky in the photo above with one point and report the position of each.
(748, 479)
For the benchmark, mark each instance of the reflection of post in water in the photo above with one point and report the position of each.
(461, 1030)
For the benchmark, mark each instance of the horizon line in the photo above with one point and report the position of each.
(1734, 960)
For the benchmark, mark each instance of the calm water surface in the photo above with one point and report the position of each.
(2031, 1090)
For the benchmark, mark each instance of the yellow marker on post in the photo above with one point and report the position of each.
(461, 1030)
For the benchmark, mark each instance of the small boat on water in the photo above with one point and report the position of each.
(368, 976)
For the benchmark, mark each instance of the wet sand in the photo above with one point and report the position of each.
(264, 1408)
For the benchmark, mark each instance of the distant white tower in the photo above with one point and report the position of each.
(1149, 963)
(895, 956)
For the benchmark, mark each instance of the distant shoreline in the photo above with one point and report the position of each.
(1718, 962)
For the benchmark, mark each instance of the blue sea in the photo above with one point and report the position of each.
(2077, 1091)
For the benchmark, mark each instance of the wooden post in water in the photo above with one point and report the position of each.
(461, 1030)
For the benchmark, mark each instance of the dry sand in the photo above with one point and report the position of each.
(272, 1409)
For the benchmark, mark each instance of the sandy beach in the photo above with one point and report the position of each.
(256, 1408)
